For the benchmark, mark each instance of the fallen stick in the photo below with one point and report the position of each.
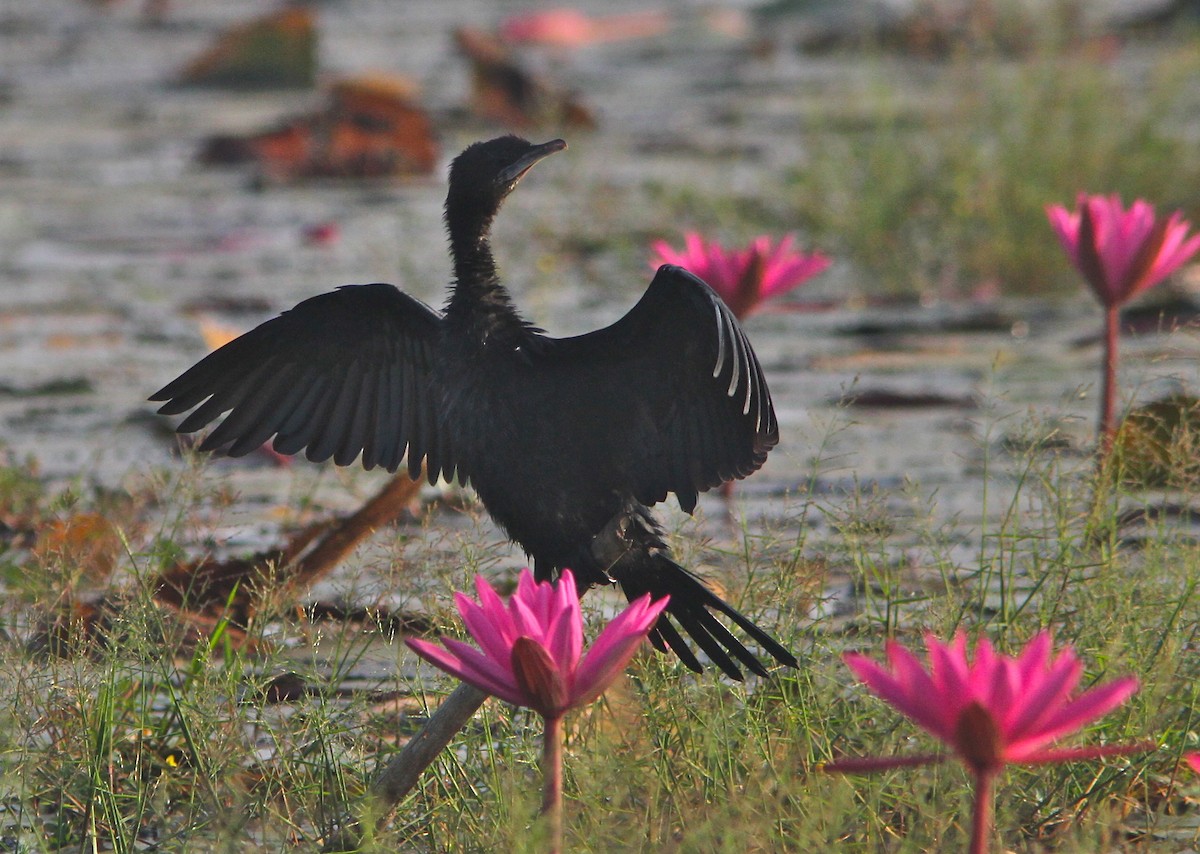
(403, 771)
(205, 593)
(392, 500)
(308, 557)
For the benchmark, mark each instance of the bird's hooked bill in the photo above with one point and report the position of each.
(517, 170)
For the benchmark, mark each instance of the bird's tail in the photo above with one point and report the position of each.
(692, 607)
(639, 560)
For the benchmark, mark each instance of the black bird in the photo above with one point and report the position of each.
(565, 440)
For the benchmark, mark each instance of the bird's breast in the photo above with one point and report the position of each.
(521, 442)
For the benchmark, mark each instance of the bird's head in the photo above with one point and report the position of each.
(486, 172)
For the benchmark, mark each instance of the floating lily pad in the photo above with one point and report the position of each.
(277, 51)
(881, 398)
(503, 90)
(371, 126)
(60, 385)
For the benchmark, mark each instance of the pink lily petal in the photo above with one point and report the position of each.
(664, 254)
(1033, 658)
(1027, 698)
(524, 619)
(1000, 690)
(900, 692)
(951, 675)
(493, 609)
(563, 640)
(744, 278)
(474, 673)
(544, 623)
(950, 685)
(616, 645)
(1128, 251)
(1175, 250)
(1074, 754)
(1084, 709)
(1021, 674)
(494, 639)
(1066, 227)
(1046, 690)
(492, 676)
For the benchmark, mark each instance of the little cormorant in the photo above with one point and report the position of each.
(566, 441)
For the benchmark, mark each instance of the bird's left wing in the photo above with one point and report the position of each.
(678, 387)
(341, 373)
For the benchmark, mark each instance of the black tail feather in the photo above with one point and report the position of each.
(768, 643)
(692, 622)
(632, 552)
(664, 636)
(690, 606)
(726, 639)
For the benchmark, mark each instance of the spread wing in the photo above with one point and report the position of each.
(677, 388)
(341, 373)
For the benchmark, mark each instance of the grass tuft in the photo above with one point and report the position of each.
(945, 195)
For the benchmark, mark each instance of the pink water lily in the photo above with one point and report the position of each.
(568, 28)
(1120, 253)
(539, 636)
(1025, 700)
(993, 711)
(529, 654)
(745, 278)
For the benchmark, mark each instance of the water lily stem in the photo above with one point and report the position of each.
(981, 818)
(1108, 399)
(552, 805)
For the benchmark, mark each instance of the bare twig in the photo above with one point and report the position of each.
(306, 558)
(391, 501)
(402, 773)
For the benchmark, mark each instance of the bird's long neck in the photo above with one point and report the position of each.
(478, 300)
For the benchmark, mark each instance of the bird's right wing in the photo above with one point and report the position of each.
(341, 373)
(673, 387)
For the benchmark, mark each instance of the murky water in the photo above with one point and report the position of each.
(112, 242)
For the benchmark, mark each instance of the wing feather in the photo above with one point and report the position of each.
(326, 418)
(357, 402)
(341, 373)
(247, 431)
(364, 428)
(677, 386)
(292, 434)
(402, 388)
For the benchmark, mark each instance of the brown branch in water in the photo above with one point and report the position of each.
(397, 496)
(205, 593)
(236, 583)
